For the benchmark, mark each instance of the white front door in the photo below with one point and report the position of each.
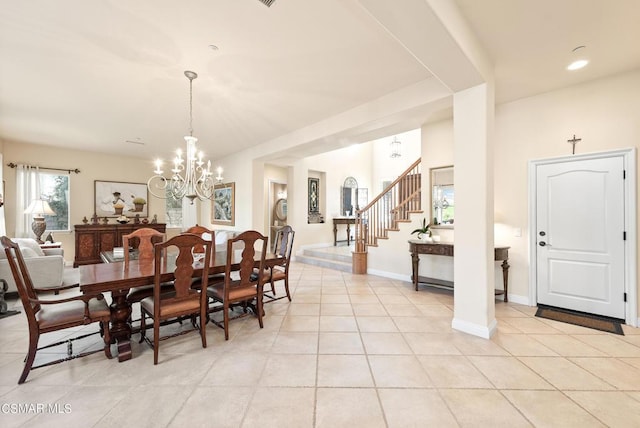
(579, 235)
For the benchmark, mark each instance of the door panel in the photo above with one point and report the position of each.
(580, 251)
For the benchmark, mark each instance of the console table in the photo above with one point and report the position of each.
(342, 220)
(446, 249)
(92, 239)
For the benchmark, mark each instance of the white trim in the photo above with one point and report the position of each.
(520, 300)
(630, 263)
(475, 329)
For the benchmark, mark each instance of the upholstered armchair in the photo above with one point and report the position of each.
(46, 266)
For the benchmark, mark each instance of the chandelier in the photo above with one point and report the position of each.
(190, 178)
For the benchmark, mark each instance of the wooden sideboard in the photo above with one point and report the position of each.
(446, 249)
(92, 239)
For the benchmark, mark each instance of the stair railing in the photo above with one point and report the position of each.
(392, 206)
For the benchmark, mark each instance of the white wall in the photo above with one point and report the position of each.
(604, 113)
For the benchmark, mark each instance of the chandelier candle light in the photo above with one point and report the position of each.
(190, 179)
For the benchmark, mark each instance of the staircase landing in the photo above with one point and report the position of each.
(338, 257)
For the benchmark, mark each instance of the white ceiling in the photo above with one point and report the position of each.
(92, 75)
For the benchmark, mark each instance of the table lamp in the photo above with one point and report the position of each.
(39, 208)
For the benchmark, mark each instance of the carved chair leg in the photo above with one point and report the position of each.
(156, 340)
(143, 326)
(286, 286)
(104, 329)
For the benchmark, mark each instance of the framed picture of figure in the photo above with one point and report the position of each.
(223, 204)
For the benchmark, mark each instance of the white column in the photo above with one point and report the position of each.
(474, 304)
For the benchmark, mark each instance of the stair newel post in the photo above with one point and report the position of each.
(359, 256)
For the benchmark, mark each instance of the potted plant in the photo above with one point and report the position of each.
(138, 203)
(118, 206)
(423, 232)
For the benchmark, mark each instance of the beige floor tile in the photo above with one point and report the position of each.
(393, 299)
(435, 311)
(369, 309)
(508, 373)
(336, 309)
(551, 408)
(335, 408)
(472, 345)
(385, 344)
(334, 298)
(431, 343)
(610, 344)
(415, 408)
(304, 309)
(453, 372)
(344, 371)
(29, 393)
(306, 298)
(289, 370)
(564, 374)
(635, 362)
(363, 299)
(340, 343)
(522, 345)
(398, 371)
(236, 369)
(614, 372)
(300, 323)
(338, 323)
(144, 406)
(482, 408)
(226, 405)
(423, 324)
(567, 346)
(376, 324)
(295, 343)
(272, 408)
(399, 310)
(614, 409)
(386, 290)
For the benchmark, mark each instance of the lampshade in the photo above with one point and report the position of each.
(40, 208)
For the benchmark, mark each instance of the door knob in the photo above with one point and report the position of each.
(542, 243)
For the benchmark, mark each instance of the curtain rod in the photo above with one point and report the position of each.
(77, 171)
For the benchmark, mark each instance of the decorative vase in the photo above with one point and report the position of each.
(118, 210)
(138, 207)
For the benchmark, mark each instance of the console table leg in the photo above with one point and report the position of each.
(505, 279)
(415, 260)
(335, 234)
(348, 234)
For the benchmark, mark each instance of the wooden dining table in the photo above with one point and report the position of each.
(118, 278)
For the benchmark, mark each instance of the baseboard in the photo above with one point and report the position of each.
(390, 275)
(475, 329)
(521, 300)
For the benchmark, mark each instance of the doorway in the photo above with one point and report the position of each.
(582, 233)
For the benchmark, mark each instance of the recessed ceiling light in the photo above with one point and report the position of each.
(578, 59)
(577, 65)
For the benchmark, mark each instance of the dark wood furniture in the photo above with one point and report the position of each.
(446, 249)
(114, 278)
(245, 285)
(182, 300)
(92, 239)
(283, 247)
(342, 220)
(45, 316)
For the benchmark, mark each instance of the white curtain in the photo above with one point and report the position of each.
(27, 189)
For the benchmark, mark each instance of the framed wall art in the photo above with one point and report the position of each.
(314, 195)
(116, 198)
(223, 204)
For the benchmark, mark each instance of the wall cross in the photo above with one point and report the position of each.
(573, 143)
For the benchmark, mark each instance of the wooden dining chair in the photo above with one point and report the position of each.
(146, 238)
(283, 247)
(208, 235)
(182, 300)
(240, 285)
(45, 316)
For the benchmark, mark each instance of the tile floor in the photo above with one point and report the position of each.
(349, 351)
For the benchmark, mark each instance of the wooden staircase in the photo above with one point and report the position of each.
(386, 211)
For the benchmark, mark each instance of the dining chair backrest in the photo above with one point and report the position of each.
(184, 266)
(247, 279)
(206, 234)
(147, 237)
(23, 281)
(283, 244)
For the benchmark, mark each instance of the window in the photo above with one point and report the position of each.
(54, 188)
(173, 210)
